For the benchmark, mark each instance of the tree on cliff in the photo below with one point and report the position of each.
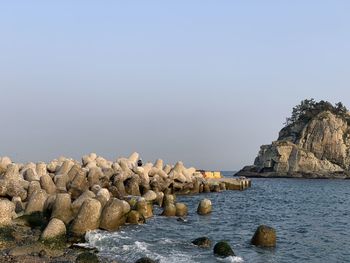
(309, 108)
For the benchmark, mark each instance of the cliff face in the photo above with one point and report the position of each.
(318, 148)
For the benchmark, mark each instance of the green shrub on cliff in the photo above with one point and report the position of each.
(309, 108)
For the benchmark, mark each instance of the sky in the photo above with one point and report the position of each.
(205, 82)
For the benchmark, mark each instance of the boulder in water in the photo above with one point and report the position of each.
(169, 210)
(181, 209)
(203, 242)
(223, 249)
(264, 236)
(204, 207)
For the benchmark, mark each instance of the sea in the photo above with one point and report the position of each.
(311, 218)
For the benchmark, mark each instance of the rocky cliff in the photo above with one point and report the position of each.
(318, 147)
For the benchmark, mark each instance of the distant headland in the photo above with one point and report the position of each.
(314, 143)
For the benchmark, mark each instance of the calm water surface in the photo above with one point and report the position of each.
(311, 218)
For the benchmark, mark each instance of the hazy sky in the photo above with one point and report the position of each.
(206, 82)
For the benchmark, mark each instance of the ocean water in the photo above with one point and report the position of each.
(311, 217)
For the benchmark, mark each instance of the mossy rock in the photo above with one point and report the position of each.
(59, 242)
(132, 202)
(87, 257)
(6, 233)
(134, 217)
(223, 249)
(6, 237)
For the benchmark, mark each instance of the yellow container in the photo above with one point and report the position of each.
(217, 175)
(212, 175)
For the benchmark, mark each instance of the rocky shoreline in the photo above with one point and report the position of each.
(48, 207)
(251, 172)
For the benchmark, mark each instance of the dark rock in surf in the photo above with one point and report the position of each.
(223, 249)
(203, 242)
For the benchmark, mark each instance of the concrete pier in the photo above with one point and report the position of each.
(240, 183)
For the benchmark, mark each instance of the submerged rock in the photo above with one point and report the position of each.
(264, 236)
(182, 219)
(145, 260)
(223, 249)
(203, 242)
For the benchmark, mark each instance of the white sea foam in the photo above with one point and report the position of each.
(141, 246)
(167, 241)
(136, 246)
(92, 239)
(175, 257)
(231, 260)
(121, 246)
(145, 249)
